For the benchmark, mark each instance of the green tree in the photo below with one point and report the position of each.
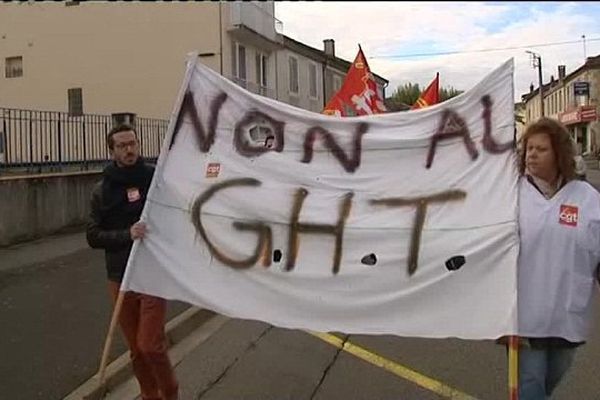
(448, 93)
(407, 95)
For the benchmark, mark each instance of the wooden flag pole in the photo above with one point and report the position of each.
(109, 336)
(513, 367)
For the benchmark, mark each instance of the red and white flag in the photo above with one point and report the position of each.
(358, 92)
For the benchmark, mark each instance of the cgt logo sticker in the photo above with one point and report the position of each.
(133, 195)
(569, 215)
(212, 170)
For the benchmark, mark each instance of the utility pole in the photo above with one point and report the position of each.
(536, 60)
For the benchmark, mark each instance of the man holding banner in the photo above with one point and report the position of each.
(116, 205)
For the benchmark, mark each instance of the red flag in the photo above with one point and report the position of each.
(358, 92)
(430, 96)
(335, 107)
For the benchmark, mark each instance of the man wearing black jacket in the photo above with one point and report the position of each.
(116, 205)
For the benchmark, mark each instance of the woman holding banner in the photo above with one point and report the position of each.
(559, 222)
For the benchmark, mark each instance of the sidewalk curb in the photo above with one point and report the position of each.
(118, 371)
(130, 390)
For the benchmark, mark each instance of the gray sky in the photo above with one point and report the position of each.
(386, 30)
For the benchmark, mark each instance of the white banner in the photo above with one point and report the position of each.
(402, 223)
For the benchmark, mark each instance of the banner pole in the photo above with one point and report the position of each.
(109, 337)
(513, 367)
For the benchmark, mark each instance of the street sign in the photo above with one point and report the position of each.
(581, 88)
(578, 115)
(588, 113)
(569, 117)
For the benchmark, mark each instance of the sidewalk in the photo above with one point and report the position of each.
(185, 334)
(41, 250)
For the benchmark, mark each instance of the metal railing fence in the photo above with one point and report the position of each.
(34, 141)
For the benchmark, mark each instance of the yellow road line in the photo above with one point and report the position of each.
(396, 369)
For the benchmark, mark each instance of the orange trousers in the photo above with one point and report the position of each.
(142, 321)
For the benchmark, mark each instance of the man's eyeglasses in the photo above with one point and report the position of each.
(123, 146)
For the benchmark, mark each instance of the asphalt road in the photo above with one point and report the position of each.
(54, 317)
(253, 361)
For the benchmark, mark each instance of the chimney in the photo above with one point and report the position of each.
(551, 78)
(561, 72)
(329, 47)
(531, 88)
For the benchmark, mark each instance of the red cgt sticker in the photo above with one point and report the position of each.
(212, 170)
(133, 195)
(569, 215)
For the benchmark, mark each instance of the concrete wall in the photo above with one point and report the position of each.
(31, 207)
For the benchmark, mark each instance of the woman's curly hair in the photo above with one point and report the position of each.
(562, 145)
